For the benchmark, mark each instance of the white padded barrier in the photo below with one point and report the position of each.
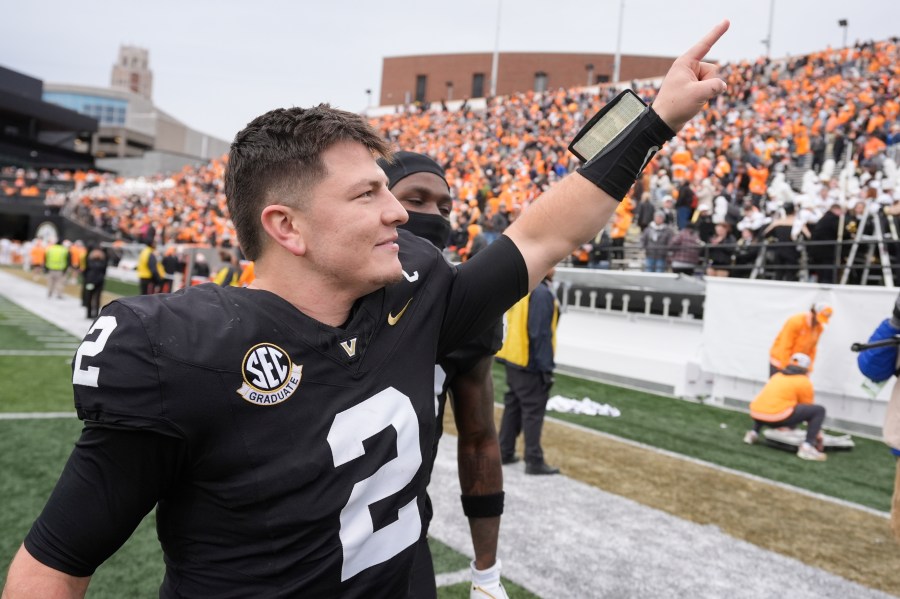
(724, 356)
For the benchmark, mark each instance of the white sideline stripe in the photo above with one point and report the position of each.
(66, 314)
(36, 415)
(450, 578)
(753, 477)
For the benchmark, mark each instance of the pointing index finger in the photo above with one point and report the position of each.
(700, 49)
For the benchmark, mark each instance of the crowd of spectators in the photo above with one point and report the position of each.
(187, 207)
(791, 145)
(50, 185)
(791, 141)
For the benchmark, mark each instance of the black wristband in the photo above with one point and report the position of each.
(616, 168)
(483, 506)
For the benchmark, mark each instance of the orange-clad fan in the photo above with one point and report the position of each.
(681, 164)
(248, 273)
(77, 255)
(37, 254)
(872, 147)
(758, 180)
(619, 225)
(786, 401)
(801, 141)
(800, 334)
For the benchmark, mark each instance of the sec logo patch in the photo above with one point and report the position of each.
(269, 375)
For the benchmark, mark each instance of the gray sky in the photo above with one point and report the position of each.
(217, 64)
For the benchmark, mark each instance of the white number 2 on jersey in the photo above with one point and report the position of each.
(363, 546)
(88, 376)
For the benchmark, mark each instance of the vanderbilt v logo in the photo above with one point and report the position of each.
(349, 346)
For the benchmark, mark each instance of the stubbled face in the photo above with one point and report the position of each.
(350, 221)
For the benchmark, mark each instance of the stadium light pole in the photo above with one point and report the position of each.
(843, 25)
(496, 60)
(617, 61)
(768, 40)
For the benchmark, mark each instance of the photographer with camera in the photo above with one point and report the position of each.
(878, 361)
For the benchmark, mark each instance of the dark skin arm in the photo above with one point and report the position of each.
(471, 393)
(478, 457)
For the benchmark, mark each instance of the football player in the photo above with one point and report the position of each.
(283, 431)
(420, 184)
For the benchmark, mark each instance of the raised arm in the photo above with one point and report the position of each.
(571, 212)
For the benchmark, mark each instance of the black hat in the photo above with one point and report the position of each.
(404, 164)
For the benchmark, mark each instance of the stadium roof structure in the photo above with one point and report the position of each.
(37, 133)
(49, 117)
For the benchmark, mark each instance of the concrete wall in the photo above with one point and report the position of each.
(647, 352)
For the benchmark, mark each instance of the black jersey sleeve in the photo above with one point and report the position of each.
(112, 479)
(115, 374)
(465, 357)
(483, 289)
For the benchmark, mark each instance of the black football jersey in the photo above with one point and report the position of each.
(309, 445)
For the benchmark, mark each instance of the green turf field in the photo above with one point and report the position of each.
(35, 367)
(120, 287)
(864, 475)
(35, 358)
(32, 452)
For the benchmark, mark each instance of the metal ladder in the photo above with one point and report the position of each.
(886, 272)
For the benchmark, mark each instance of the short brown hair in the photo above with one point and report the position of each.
(277, 158)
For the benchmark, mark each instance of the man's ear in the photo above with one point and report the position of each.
(281, 225)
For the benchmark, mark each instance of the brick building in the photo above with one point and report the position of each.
(435, 77)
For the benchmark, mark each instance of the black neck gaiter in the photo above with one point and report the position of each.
(433, 227)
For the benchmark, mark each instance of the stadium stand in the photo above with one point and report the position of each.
(818, 132)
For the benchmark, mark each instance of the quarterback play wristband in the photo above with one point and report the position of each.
(618, 142)
(483, 506)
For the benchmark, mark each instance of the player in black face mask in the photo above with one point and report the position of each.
(419, 183)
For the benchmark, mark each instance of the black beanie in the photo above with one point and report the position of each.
(404, 164)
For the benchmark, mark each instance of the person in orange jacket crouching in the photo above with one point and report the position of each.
(787, 400)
